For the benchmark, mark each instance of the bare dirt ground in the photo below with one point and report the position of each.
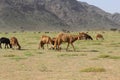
(83, 64)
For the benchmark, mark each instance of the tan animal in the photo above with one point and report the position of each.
(14, 43)
(45, 40)
(99, 36)
(64, 37)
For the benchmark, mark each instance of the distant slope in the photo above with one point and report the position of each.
(53, 15)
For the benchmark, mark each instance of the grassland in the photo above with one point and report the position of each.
(92, 60)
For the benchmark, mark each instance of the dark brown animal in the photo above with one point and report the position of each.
(99, 36)
(53, 40)
(14, 42)
(45, 40)
(85, 36)
(63, 37)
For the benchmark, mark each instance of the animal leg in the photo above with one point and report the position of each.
(5, 46)
(39, 46)
(0, 46)
(19, 47)
(10, 45)
(58, 45)
(73, 46)
(13, 46)
(67, 47)
(43, 46)
(47, 46)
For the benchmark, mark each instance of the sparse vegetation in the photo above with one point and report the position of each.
(67, 54)
(9, 55)
(90, 57)
(17, 16)
(93, 69)
(94, 51)
(104, 56)
(28, 54)
(18, 58)
(109, 56)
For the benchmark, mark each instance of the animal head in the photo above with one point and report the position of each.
(82, 35)
(41, 44)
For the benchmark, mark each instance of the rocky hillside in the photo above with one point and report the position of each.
(116, 17)
(53, 15)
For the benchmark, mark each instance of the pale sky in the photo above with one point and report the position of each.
(111, 6)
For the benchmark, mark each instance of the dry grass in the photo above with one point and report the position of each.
(33, 64)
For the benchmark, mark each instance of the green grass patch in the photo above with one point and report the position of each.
(94, 51)
(104, 56)
(83, 54)
(97, 44)
(67, 55)
(28, 54)
(9, 55)
(18, 58)
(93, 69)
(108, 56)
(114, 45)
(114, 57)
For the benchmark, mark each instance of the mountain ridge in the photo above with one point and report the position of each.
(53, 15)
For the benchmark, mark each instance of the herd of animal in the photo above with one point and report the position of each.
(65, 37)
(55, 42)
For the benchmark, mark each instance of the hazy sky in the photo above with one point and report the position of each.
(111, 6)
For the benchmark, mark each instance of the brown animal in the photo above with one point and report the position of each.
(53, 43)
(53, 40)
(99, 36)
(85, 36)
(64, 37)
(45, 40)
(14, 43)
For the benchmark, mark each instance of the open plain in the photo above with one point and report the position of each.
(92, 60)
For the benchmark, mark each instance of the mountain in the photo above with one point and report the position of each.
(116, 18)
(52, 15)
